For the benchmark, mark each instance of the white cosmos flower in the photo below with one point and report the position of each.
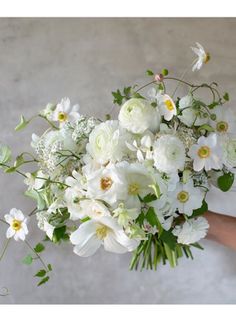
(137, 115)
(107, 142)
(203, 57)
(229, 152)
(168, 154)
(187, 198)
(106, 184)
(18, 224)
(190, 113)
(225, 120)
(63, 112)
(207, 153)
(73, 194)
(192, 230)
(105, 231)
(166, 106)
(94, 209)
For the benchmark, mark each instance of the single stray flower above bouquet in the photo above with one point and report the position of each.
(135, 184)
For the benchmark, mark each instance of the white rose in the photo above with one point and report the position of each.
(137, 115)
(107, 142)
(169, 154)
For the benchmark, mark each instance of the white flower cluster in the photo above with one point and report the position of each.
(142, 177)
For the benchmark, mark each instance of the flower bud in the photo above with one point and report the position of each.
(213, 116)
(159, 77)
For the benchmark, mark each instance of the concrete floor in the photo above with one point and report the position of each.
(43, 60)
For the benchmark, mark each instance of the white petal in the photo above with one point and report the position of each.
(112, 245)
(10, 232)
(85, 231)
(8, 218)
(124, 240)
(19, 215)
(21, 234)
(198, 164)
(89, 247)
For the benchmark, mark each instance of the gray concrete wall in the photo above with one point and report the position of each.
(42, 60)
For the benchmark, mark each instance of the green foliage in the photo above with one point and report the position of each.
(165, 72)
(5, 154)
(60, 234)
(121, 96)
(118, 97)
(149, 198)
(149, 73)
(22, 124)
(39, 248)
(43, 281)
(40, 273)
(200, 211)
(226, 96)
(225, 181)
(28, 260)
(213, 105)
(169, 239)
(37, 197)
(206, 127)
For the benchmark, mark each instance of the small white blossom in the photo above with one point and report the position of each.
(63, 112)
(18, 224)
(203, 57)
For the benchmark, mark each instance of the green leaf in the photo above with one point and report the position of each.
(39, 248)
(59, 234)
(206, 127)
(226, 96)
(197, 245)
(200, 211)
(118, 97)
(149, 198)
(170, 255)
(43, 281)
(168, 238)
(40, 273)
(165, 72)
(49, 267)
(22, 124)
(19, 161)
(10, 170)
(37, 197)
(156, 189)
(137, 95)
(149, 73)
(213, 105)
(226, 181)
(27, 260)
(127, 91)
(5, 154)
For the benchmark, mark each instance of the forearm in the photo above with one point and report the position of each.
(222, 229)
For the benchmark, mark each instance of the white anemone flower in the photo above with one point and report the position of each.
(186, 197)
(64, 113)
(107, 142)
(138, 115)
(18, 224)
(167, 107)
(225, 120)
(168, 154)
(91, 234)
(94, 209)
(106, 184)
(190, 114)
(73, 194)
(203, 57)
(192, 230)
(207, 153)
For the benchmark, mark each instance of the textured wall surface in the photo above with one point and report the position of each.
(43, 60)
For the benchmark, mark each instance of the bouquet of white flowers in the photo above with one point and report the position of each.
(137, 184)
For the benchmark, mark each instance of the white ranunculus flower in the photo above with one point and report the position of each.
(168, 154)
(137, 115)
(105, 231)
(192, 230)
(106, 184)
(186, 198)
(73, 194)
(229, 152)
(190, 114)
(17, 224)
(207, 153)
(107, 142)
(94, 209)
(202, 57)
(225, 120)
(63, 112)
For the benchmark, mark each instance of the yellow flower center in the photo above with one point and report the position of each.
(169, 104)
(62, 116)
(183, 196)
(204, 152)
(101, 232)
(222, 126)
(133, 189)
(106, 183)
(207, 57)
(16, 225)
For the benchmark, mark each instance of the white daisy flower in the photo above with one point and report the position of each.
(168, 154)
(225, 120)
(207, 153)
(93, 233)
(18, 224)
(63, 112)
(191, 231)
(186, 197)
(167, 107)
(203, 57)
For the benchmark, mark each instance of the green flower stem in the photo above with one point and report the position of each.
(153, 82)
(3, 221)
(4, 249)
(19, 172)
(48, 121)
(51, 181)
(38, 256)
